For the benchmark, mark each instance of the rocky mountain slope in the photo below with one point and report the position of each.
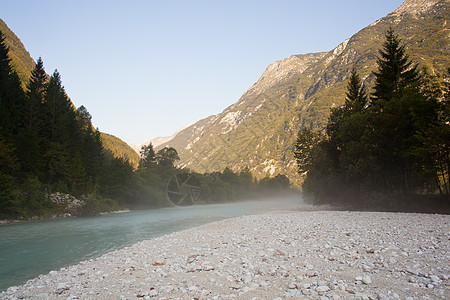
(260, 129)
(24, 64)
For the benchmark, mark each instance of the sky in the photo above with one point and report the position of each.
(144, 69)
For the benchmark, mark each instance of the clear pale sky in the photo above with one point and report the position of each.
(146, 68)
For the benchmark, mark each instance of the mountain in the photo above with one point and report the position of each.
(24, 64)
(21, 59)
(260, 129)
(118, 148)
(156, 142)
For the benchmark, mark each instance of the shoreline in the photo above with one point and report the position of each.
(60, 217)
(290, 252)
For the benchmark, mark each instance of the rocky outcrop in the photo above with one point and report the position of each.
(72, 205)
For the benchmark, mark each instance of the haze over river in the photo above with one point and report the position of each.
(30, 249)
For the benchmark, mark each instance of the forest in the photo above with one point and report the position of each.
(387, 149)
(53, 163)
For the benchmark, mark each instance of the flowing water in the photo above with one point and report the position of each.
(30, 249)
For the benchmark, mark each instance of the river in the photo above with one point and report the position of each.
(30, 249)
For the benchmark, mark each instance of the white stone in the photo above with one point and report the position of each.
(322, 289)
(366, 279)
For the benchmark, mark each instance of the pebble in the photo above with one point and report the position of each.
(366, 279)
(292, 286)
(322, 289)
(306, 292)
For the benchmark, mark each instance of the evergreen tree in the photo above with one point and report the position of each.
(31, 140)
(91, 147)
(59, 109)
(388, 151)
(148, 157)
(357, 98)
(167, 157)
(11, 96)
(306, 141)
(395, 71)
(35, 95)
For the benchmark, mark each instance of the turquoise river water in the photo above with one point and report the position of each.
(30, 249)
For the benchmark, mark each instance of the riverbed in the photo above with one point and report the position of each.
(30, 249)
(279, 254)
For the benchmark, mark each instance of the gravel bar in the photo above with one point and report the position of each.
(280, 254)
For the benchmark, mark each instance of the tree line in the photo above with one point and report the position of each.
(48, 146)
(386, 149)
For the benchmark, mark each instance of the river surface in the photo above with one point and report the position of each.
(30, 249)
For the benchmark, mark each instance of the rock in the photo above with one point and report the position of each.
(443, 276)
(366, 279)
(193, 288)
(292, 285)
(366, 268)
(306, 292)
(322, 289)
(434, 279)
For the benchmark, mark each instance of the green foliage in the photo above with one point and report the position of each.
(8, 201)
(396, 72)
(167, 157)
(148, 157)
(356, 100)
(276, 184)
(306, 142)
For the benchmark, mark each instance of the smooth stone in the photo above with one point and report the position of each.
(322, 289)
(366, 279)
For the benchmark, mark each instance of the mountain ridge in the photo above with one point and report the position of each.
(259, 130)
(20, 57)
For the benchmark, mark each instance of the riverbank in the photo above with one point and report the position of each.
(294, 253)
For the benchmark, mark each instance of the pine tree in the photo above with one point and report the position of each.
(306, 141)
(395, 71)
(11, 95)
(62, 117)
(357, 98)
(31, 140)
(148, 157)
(5, 64)
(35, 95)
